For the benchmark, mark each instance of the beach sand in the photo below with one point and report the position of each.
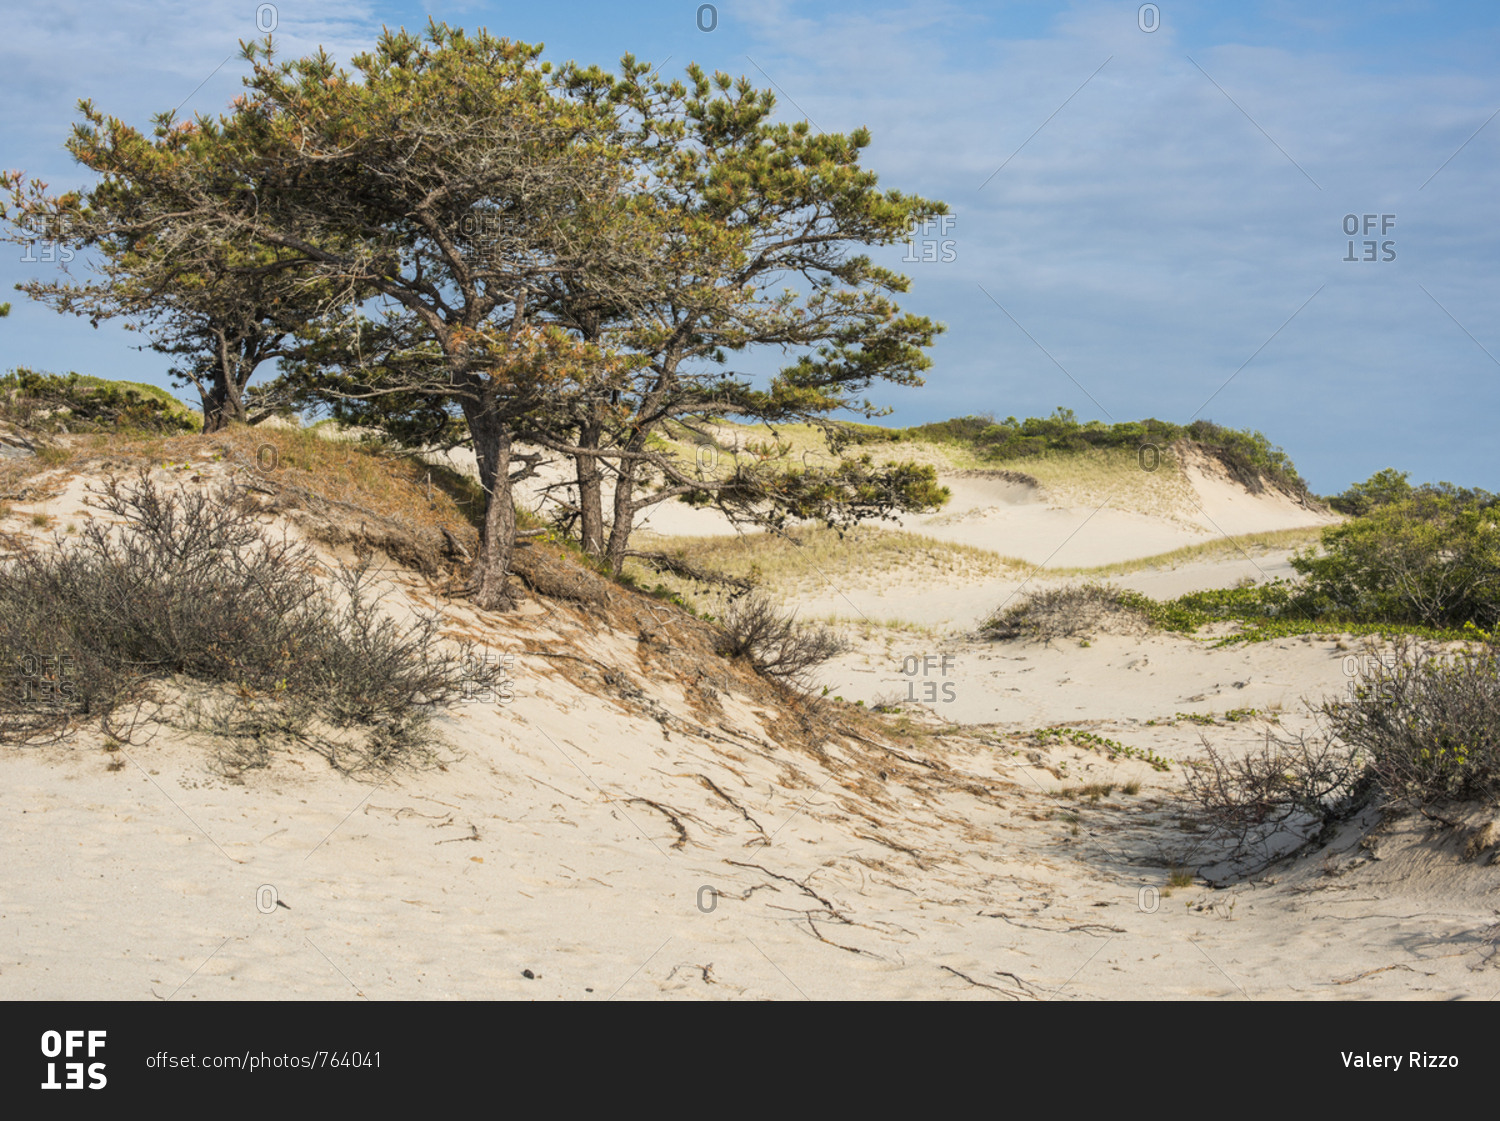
(609, 834)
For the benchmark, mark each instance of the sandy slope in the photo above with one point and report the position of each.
(550, 846)
(616, 834)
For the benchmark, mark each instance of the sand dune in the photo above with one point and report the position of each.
(1001, 512)
(644, 820)
(612, 853)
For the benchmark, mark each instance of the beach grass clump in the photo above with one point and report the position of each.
(776, 645)
(1070, 611)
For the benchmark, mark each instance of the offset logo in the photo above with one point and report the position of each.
(1352, 226)
(912, 665)
(66, 1045)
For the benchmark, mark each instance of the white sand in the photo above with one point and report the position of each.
(548, 844)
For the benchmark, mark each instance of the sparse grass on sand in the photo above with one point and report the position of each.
(1073, 478)
(340, 471)
(1217, 549)
(1094, 475)
(869, 628)
(808, 440)
(805, 560)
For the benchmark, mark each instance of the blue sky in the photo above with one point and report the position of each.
(1146, 223)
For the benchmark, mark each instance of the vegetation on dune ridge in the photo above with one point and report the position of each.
(263, 645)
(1248, 456)
(74, 402)
(1415, 560)
(813, 556)
(1140, 466)
(313, 664)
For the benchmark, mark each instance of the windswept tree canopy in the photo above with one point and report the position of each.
(739, 234)
(765, 220)
(456, 241)
(451, 186)
(166, 262)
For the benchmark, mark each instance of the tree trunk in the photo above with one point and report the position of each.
(497, 540)
(619, 533)
(222, 404)
(217, 407)
(590, 493)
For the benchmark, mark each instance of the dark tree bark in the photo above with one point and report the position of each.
(497, 540)
(590, 492)
(624, 506)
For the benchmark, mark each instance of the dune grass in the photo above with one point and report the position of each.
(1094, 475)
(1082, 478)
(809, 559)
(1216, 549)
(807, 440)
(805, 560)
(348, 472)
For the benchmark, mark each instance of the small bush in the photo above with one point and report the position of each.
(1418, 729)
(1426, 725)
(1432, 559)
(1380, 489)
(776, 645)
(187, 587)
(1078, 610)
(1288, 788)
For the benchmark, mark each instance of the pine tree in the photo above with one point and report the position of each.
(168, 265)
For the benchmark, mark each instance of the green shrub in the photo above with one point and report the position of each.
(1382, 488)
(53, 402)
(1432, 559)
